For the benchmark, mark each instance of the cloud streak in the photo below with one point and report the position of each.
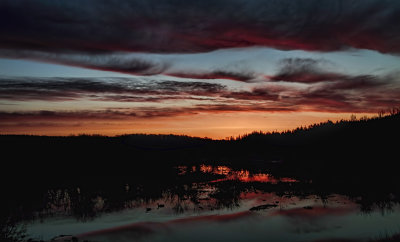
(127, 63)
(311, 71)
(216, 74)
(120, 114)
(117, 62)
(112, 89)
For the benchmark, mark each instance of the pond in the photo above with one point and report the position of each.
(210, 203)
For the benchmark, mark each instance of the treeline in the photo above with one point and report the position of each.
(347, 148)
(344, 146)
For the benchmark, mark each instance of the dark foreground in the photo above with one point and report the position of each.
(311, 184)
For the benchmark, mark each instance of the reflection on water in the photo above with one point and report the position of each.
(239, 175)
(219, 170)
(215, 203)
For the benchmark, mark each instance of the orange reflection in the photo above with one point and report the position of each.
(181, 170)
(222, 170)
(242, 175)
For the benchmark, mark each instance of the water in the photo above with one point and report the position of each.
(212, 203)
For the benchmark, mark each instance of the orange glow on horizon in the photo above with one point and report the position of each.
(211, 125)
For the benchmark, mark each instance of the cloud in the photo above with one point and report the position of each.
(117, 62)
(173, 26)
(257, 93)
(191, 87)
(363, 93)
(66, 116)
(120, 114)
(236, 107)
(344, 93)
(111, 89)
(311, 71)
(256, 100)
(217, 74)
(360, 82)
(128, 63)
(304, 70)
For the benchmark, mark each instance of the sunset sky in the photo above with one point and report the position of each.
(214, 68)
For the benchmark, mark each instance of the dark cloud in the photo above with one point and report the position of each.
(310, 71)
(351, 96)
(360, 82)
(118, 62)
(303, 70)
(191, 87)
(111, 89)
(217, 74)
(64, 116)
(344, 93)
(158, 98)
(120, 114)
(238, 107)
(127, 63)
(99, 26)
(255, 94)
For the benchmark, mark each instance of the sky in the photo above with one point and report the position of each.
(210, 68)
